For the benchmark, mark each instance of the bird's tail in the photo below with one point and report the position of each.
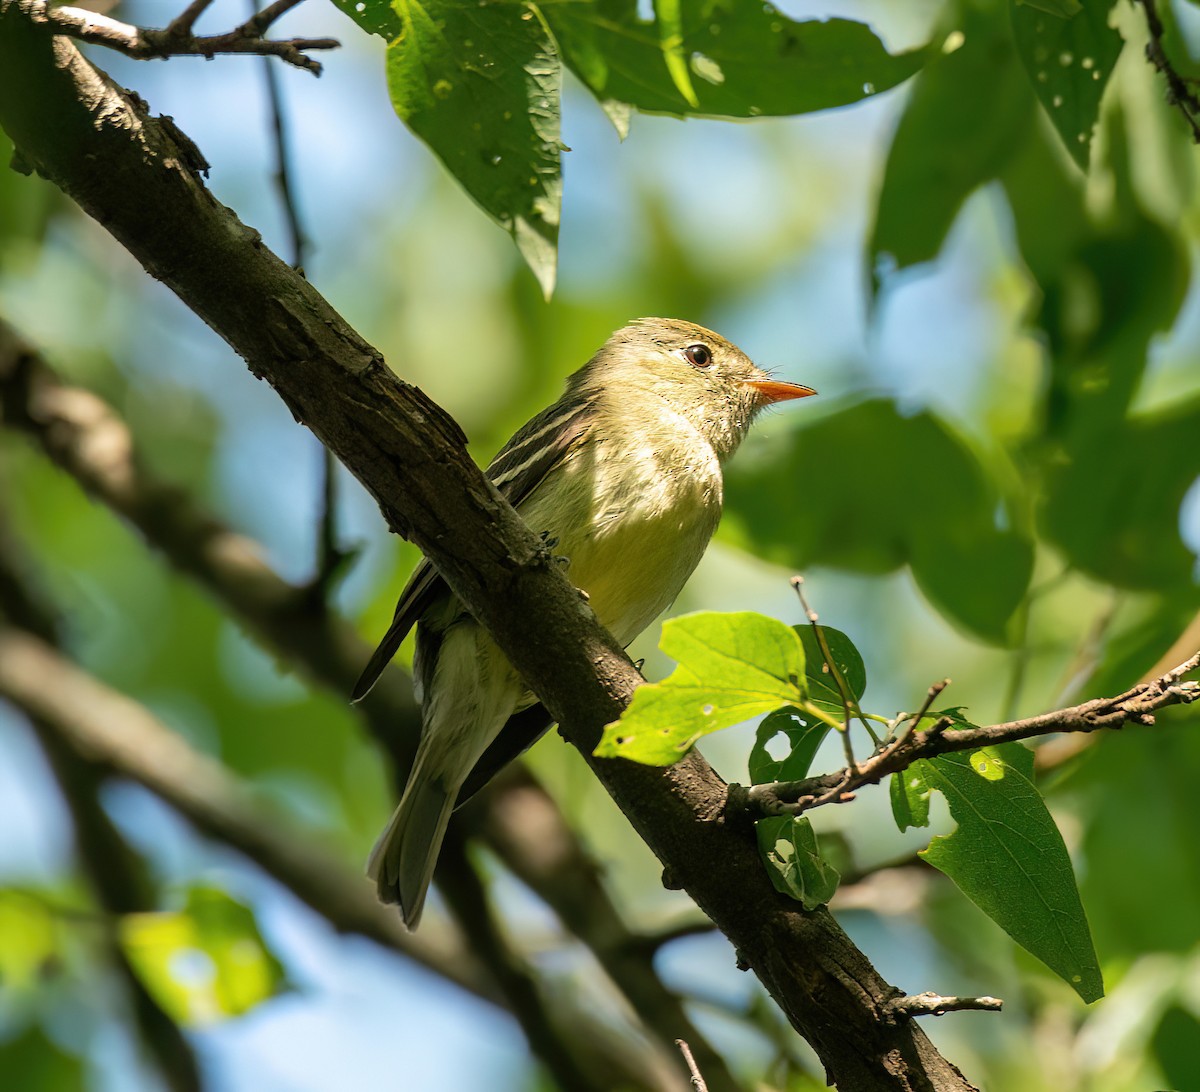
(401, 864)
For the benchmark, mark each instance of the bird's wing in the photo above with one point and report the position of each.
(522, 464)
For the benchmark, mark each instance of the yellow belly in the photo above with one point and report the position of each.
(633, 523)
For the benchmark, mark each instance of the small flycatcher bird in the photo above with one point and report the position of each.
(623, 472)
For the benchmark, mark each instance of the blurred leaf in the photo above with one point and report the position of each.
(731, 667)
(788, 847)
(1006, 854)
(1142, 880)
(950, 141)
(1175, 1044)
(1061, 8)
(868, 490)
(204, 962)
(29, 940)
(822, 689)
(1069, 61)
(480, 84)
(745, 60)
(30, 1062)
(1112, 506)
(26, 204)
(1046, 196)
(803, 736)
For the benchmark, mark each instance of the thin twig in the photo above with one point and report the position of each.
(1135, 706)
(933, 1004)
(1178, 92)
(838, 680)
(176, 39)
(698, 1082)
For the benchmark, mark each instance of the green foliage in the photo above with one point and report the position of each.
(731, 667)
(803, 736)
(1006, 855)
(30, 939)
(205, 961)
(480, 80)
(788, 845)
(1069, 57)
(480, 84)
(934, 503)
(950, 141)
(32, 1062)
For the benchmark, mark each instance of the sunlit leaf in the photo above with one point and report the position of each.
(731, 667)
(742, 60)
(30, 938)
(1006, 854)
(788, 846)
(204, 962)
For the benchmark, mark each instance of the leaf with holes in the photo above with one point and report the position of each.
(1006, 855)
(1068, 60)
(803, 735)
(788, 847)
(731, 667)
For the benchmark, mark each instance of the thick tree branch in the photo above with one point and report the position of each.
(78, 129)
(177, 39)
(1136, 706)
(84, 436)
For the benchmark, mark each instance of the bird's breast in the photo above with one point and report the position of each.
(633, 519)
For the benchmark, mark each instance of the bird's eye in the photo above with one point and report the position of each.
(698, 355)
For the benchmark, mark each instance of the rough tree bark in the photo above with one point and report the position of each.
(138, 176)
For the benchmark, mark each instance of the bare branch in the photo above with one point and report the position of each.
(698, 1082)
(932, 1004)
(176, 39)
(1135, 706)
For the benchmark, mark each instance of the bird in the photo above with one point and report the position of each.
(623, 474)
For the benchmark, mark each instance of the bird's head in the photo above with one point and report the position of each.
(696, 372)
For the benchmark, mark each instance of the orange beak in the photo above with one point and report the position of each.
(775, 390)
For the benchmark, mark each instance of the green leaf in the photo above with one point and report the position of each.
(788, 847)
(204, 962)
(1069, 62)
(1006, 854)
(1062, 8)
(950, 141)
(669, 14)
(480, 83)
(374, 16)
(731, 667)
(899, 489)
(32, 1062)
(742, 60)
(804, 735)
(822, 688)
(30, 938)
